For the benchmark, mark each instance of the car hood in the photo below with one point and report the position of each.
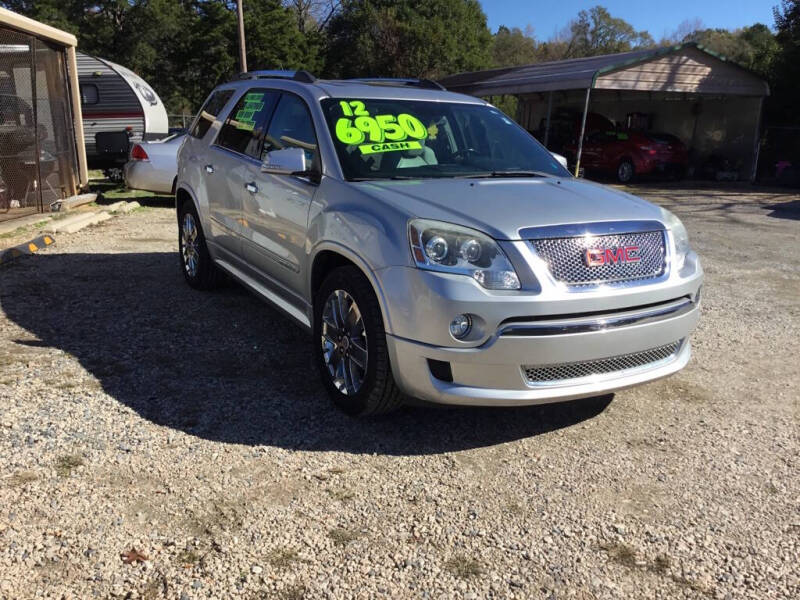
(502, 207)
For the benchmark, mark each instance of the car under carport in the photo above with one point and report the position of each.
(712, 104)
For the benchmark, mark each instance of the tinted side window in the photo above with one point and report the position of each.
(244, 128)
(291, 126)
(209, 112)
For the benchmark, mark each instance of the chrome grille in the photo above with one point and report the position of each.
(565, 257)
(552, 374)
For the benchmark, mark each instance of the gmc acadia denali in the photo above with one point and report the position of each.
(431, 245)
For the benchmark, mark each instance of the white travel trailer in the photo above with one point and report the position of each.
(119, 109)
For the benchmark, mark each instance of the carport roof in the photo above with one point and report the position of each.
(582, 73)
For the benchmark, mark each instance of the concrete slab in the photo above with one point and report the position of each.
(93, 219)
(99, 218)
(63, 225)
(116, 206)
(79, 200)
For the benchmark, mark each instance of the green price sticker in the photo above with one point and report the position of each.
(245, 116)
(389, 147)
(381, 131)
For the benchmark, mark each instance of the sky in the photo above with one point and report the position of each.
(659, 17)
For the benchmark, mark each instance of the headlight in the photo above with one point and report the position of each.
(451, 248)
(680, 236)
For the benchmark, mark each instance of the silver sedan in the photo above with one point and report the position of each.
(153, 166)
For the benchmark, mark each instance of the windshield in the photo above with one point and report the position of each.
(411, 139)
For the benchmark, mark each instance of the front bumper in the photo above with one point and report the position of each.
(536, 328)
(493, 374)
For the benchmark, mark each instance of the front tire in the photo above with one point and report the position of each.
(350, 345)
(196, 264)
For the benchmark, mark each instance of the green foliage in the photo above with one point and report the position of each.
(782, 106)
(753, 47)
(183, 48)
(414, 38)
(596, 32)
(513, 47)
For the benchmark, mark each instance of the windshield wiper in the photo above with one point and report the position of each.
(489, 174)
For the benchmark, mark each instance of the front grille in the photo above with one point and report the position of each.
(550, 374)
(565, 257)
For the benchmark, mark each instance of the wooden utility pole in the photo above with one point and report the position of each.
(242, 49)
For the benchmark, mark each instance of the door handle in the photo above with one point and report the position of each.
(251, 187)
(209, 168)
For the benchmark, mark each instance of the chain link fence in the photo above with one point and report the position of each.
(37, 141)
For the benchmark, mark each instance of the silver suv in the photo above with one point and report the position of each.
(432, 246)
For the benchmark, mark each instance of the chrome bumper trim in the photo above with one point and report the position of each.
(585, 325)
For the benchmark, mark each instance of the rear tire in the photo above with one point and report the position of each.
(196, 264)
(349, 345)
(625, 171)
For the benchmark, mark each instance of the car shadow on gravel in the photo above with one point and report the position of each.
(222, 365)
(785, 210)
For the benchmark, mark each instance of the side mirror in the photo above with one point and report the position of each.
(288, 161)
(561, 160)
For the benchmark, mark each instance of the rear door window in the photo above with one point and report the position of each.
(244, 128)
(215, 103)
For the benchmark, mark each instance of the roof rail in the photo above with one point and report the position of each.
(401, 81)
(301, 75)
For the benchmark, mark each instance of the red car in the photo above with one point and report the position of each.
(627, 154)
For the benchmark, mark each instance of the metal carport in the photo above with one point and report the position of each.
(712, 104)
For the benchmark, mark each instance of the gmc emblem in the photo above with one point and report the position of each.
(597, 257)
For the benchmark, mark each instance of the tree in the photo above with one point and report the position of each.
(512, 47)
(414, 38)
(596, 32)
(782, 106)
(183, 48)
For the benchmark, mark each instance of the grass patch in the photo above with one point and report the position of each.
(22, 478)
(342, 537)
(463, 566)
(282, 557)
(67, 463)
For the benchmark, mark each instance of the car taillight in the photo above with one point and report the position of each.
(648, 150)
(138, 153)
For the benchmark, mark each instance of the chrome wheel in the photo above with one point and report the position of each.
(189, 249)
(344, 342)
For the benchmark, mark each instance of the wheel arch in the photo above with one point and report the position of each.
(329, 256)
(183, 195)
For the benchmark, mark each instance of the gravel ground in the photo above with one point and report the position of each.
(161, 442)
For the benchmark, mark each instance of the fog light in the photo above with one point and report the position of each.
(460, 326)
